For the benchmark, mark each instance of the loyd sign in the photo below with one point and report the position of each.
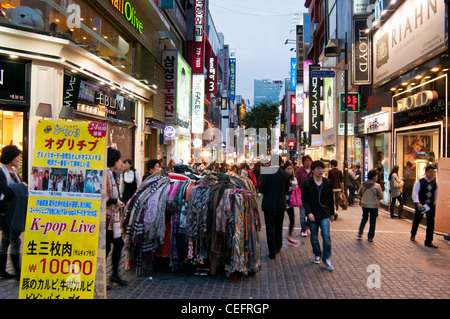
(423, 98)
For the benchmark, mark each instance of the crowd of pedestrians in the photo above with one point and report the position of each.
(316, 191)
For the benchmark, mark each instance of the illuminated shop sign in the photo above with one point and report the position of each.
(423, 98)
(424, 103)
(353, 102)
(129, 12)
(178, 89)
(198, 102)
(94, 99)
(314, 104)
(415, 31)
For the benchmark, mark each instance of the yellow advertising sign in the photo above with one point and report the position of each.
(64, 206)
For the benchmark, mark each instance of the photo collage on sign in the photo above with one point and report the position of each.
(54, 179)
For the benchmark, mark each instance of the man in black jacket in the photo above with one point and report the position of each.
(274, 187)
(317, 198)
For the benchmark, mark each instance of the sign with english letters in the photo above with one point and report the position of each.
(361, 53)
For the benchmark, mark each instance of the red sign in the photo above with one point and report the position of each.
(198, 47)
(291, 143)
(353, 103)
(211, 80)
(293, 114)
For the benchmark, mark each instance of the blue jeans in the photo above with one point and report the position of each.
(324, 225)
(304, 222)
(373, 213)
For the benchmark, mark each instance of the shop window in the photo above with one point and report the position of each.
(416, 150)
(72, 20)
(11, 131)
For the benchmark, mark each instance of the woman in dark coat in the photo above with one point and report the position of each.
(10, 158)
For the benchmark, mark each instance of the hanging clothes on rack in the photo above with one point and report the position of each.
(208, 222)
(144, 221)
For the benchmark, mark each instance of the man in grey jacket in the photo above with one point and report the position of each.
(370, 194)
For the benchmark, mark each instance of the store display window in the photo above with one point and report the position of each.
(415, 151)
(72, 20)
(11, 131)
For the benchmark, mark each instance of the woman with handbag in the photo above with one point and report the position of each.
(289, 168)
(395, 188)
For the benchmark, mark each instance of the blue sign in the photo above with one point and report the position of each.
(306, 30)
(293, 74)
(322, 74)
(169, 131)
(232, 85)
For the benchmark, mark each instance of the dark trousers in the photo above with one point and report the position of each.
(430, 224)
(291, 215)
(336, 199)
(400, 205)
(274, 231)
(373, 213)
(351, 194)
(117, 251)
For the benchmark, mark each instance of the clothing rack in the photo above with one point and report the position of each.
(206, 223)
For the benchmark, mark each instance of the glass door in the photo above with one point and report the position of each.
(11, 132)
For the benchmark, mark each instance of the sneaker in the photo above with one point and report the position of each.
(328, 264)
(304, 234)
(308, 231)
(317, 260)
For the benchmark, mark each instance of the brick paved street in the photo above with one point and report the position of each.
(409, 270)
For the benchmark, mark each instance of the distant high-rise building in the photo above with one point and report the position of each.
(267, 90)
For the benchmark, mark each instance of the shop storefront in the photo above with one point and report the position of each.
(420, 130)
(96, 101)
(376, 145)
(411, 61)
(78, 46)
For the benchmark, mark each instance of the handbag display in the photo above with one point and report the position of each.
(295, 200)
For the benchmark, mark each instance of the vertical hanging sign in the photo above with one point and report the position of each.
(199, 37)
(212, 75)
(314, 103)
(293, 74)
(169, 60)
(293, 114)
(60, 249)
(198, 102)
(232, 85)
(361, 53)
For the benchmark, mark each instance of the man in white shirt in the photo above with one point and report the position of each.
(424, 195)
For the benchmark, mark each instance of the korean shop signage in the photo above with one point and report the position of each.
(353, 102)
(129, 12)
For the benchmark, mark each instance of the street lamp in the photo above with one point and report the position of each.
(330, 51)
